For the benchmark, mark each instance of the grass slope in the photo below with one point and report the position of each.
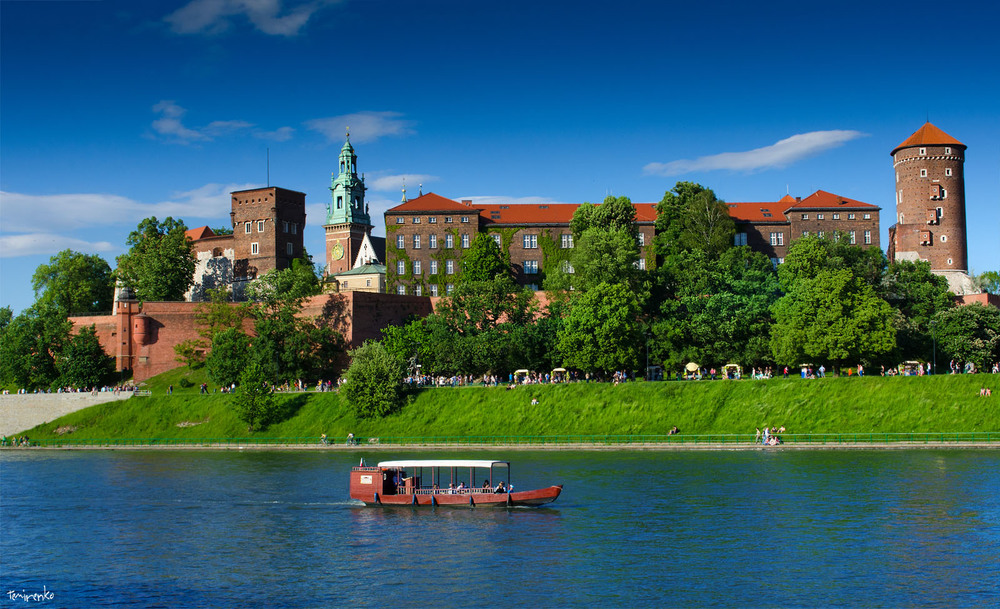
(846, 405)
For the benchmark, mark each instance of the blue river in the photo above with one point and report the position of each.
(758, 528)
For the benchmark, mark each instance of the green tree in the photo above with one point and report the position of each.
(83, 362)
(374, 382)
(75, 283)
(691, 217)
(254, 401)
(969, 334)
(918, 295)
(159, 264)
(484, 261)
(223, 230)
(212, 317)
(31, 343)
(832, 317)
(602, 330)
(989, 282)
(229, 356)
(605, 255)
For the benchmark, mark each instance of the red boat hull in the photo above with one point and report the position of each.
(471, 498)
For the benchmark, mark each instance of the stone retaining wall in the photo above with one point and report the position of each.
(19, 413)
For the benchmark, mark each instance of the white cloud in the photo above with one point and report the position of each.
(13, 246)
(365, 126)
(501, 200)
(412, 181)
(171, 126)
(779, 154)
(26, 213)
(282, 134)
(268, 16)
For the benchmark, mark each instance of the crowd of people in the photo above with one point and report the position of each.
(769, 436)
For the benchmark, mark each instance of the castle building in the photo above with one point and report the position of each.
(268, 225)
(427, 236)
(349, 242)
(930, 205)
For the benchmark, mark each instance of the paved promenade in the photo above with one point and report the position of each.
(22, 412)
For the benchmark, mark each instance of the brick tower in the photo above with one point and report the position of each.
(930, 204)
(268, 224)
(347, 220)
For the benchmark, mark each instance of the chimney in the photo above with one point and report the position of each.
(798, 199)
(467, 202)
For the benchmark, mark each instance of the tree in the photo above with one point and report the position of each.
(83, 362)
(254, 402)
(969, 334)
(229, 356)
(74, 283)
(31, 343)
(484, 260)
(918, 295)
(212, 317)
(159, 264)
(374, 382)
(831, 317)
(989, 282)
(606, 247)
(602, 330)
(691, 217)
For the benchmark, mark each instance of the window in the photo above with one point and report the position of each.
(400, 267)
(340, 202)
(820, 234)
(774, 262)
(295, 228)
(416, 268)
(923, 151)
(418, 290)
(449, 288)
(854, 239)
(567, 267)
(805, 216)
(947, 150)
(260, 226)
(850, 216)
(944, 238)
(530, 242)
(820, 216)
(836, 216)
(498, 240)
(868, 216)
(465, 241)
(567, 241)
(940, 212)
(284, 226)
(532, 286)
(416, 219)
(434, 267)
(416, 242)
(947, 171)
(400, 241)
(246, 228)
(642, 264)
(642, 239)
(805, 233)
(777, 238)
(368, 283)
(449, 267)
(530, 267)
(465, 219)
(432, 241)
(949, 261)
(868, 237)
(432, 220)
(434, 290)
(447, 220)
(740, 239)
(344, 285)
(401, 290)
(449, 241)
(923, 173)
(399, 220)
(290, 249)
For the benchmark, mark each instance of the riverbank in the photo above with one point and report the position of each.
(871, 405)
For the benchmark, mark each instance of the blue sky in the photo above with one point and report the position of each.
(113, 111)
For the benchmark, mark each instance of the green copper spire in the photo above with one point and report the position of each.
(347, 202)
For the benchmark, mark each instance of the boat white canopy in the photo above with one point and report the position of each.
(444, 463)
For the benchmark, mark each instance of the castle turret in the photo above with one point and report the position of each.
(930, 202)
(347, 219)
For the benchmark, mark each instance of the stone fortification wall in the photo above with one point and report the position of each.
(22, 412)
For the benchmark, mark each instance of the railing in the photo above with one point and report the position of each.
(564, 441)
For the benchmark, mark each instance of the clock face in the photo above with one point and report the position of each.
(338, 251)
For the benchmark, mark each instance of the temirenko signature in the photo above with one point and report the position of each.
(44, 595)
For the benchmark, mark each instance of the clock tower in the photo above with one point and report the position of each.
(347, 220)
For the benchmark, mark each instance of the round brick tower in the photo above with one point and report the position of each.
(930, 201)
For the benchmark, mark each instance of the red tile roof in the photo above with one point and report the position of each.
(827, 200)
(201, 232)
(928, 135)
(430, 202)
(757, 212)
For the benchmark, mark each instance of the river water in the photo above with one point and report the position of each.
(276, 529)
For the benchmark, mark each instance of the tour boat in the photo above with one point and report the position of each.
(467, 482)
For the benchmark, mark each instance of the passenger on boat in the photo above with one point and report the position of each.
(451, 488)
(500, 488)
(486, 484)
(461, 487)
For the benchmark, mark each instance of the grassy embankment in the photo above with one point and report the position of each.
(832, 405)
